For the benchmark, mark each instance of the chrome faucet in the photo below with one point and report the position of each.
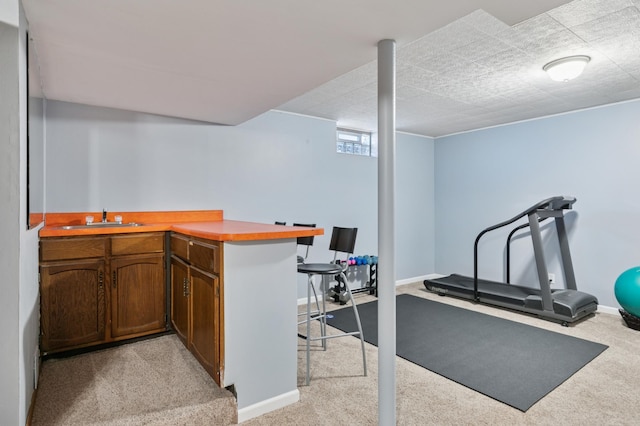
(104, 216)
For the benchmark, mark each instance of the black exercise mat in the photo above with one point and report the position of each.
(514, 363)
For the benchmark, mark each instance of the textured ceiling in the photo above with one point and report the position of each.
(225, 61)
(479, 71)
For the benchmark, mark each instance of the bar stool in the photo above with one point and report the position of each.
(305, 241)
(343, 240)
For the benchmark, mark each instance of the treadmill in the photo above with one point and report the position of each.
(562, 305)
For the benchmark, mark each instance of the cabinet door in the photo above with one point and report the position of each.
(72, 303)
(180, 299)
(137, 295)
(205, 333)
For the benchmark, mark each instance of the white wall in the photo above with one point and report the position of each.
(490, 175)
(276, 167)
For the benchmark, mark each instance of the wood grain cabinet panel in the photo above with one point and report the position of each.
(204, 320)
(196, 300)
(72, 303)
(180, 299)
(100, 289)
(137, 295)
(72, 248)
(180, 246)
(205, 256)
(137, 244)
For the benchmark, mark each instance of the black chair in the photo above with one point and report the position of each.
(343, 240)
(305, 241)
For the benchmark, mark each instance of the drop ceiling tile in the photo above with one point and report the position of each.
(406, 92)
(626, 95)
(485, 22)
(479, 49)
(583, 11)
(466, 76)
(523, 34)
(432, 104)
(509, 58)
(454, 35)
(625, 21)
(441, 62)
(415, 76)
(414, 51)
(620, 81)
(558, 44)
(621, 49)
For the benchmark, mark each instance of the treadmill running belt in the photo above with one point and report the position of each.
(487, 288)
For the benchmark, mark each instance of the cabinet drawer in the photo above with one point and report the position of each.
(205, 256)
(137, 244)
(180, 246)
(72, 248)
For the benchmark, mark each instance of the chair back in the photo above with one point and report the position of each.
(305, 241)
(343, 240)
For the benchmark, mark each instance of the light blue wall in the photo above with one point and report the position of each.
(415, 213)
(278, 166)
(490, 175)
(19, 307)
(283, 167)
(10, 372)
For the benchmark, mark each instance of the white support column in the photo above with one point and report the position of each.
(386, 240)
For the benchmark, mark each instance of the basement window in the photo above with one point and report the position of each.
(353, 142)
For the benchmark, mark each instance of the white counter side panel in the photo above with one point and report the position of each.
(260, 315)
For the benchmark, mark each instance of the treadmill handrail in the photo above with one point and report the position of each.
(559, 202)
(516, 229)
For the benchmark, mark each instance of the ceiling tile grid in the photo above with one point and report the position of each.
(478, 71)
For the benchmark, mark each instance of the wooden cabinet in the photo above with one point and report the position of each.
(100, 289)
(73, 303)
(137, 295)
(204, 319)
(180, 299)
(196, 299)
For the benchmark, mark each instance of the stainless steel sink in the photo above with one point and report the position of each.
(103, 225)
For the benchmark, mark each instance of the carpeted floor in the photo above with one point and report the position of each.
(151, 382)
(603, 392)
(512, 362)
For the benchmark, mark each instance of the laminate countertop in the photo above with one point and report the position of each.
(208, 224)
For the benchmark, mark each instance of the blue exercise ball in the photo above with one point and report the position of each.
(627, 290)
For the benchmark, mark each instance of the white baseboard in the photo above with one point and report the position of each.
(303, 300)
(418, 279)
(268, 405)
(608, 310)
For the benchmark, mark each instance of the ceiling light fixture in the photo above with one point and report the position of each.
(565, 69)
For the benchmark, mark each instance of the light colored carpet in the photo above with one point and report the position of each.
(605, 391)
(151, 382)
